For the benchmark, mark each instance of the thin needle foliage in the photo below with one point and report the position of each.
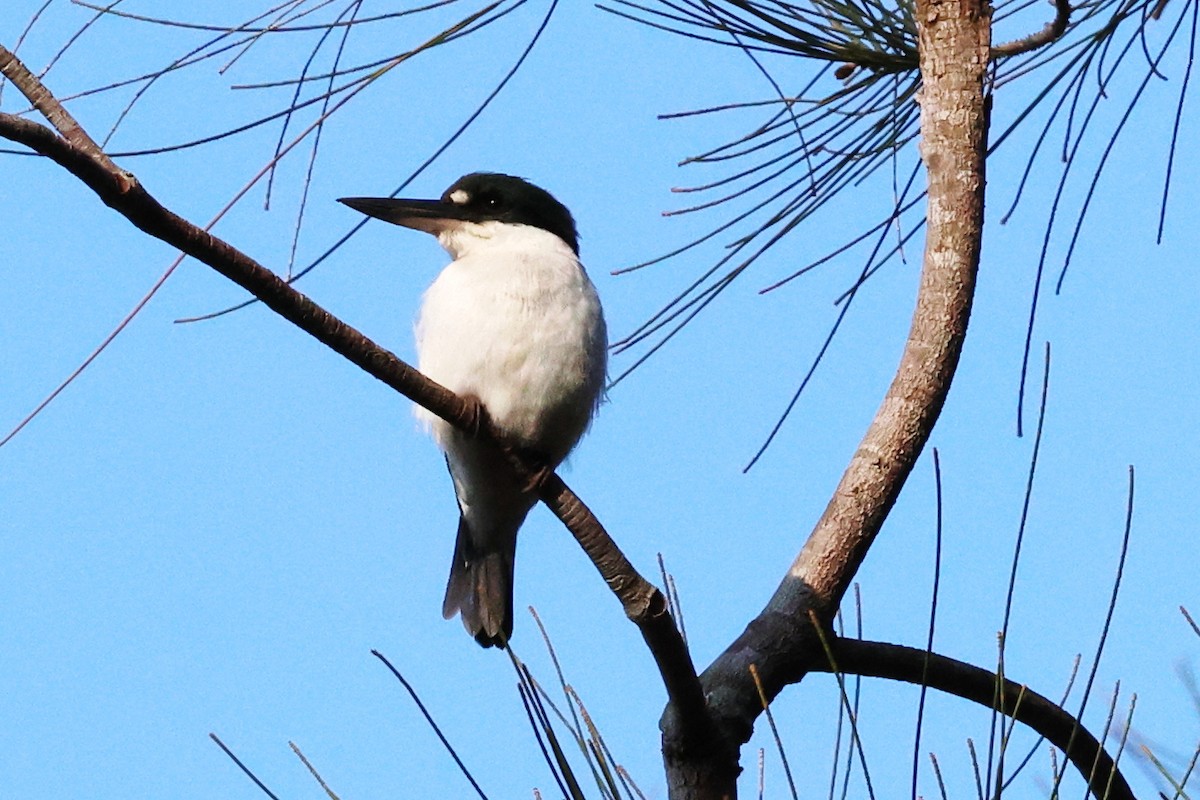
(847, 117)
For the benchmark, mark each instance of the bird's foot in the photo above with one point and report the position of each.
(477, 415)
(539, 467)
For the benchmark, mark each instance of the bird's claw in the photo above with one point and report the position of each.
(478, 419)
(538, 478)
(477, 415)
(540, 469)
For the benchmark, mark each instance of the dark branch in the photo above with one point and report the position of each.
(242, 766)
(1050, 33)
(644, 604)
(920, 667)
(120, 190)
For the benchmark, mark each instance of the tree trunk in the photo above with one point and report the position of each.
(702, 761)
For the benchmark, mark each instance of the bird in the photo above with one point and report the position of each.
(514, 326)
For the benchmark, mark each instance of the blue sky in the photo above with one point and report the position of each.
(212, 528)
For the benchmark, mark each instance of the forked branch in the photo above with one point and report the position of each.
(73, 149)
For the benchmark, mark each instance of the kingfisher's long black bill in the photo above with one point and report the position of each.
(431, 216)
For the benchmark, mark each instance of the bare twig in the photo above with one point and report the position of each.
(242, 766)
(933, 609)
(1053, 31)
(408, 687)
(313, 771)
(766, 706)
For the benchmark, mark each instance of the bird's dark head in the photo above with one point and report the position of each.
(479, 197)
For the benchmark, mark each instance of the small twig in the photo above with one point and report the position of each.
(600, 754)
(543, 730)
(432, 724)
(313, 771)
(937, 771)
(1188, 617)
(243, 767)
(830, 665)
(933, 609)
(1050, 33)
(974, 764)
(574, 724)
(787, 769)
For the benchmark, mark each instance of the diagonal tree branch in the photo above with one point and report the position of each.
(1043, 715)
(75, 151)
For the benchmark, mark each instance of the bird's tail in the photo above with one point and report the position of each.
(481, 590)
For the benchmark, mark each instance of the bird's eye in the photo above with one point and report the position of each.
(490, 201)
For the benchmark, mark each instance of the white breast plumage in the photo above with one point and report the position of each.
(514, 321)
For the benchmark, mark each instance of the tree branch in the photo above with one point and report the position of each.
(58, 116)
(1050, 33)
(643, 603)
(1047, 718)
(120, 190)
(954, 40)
